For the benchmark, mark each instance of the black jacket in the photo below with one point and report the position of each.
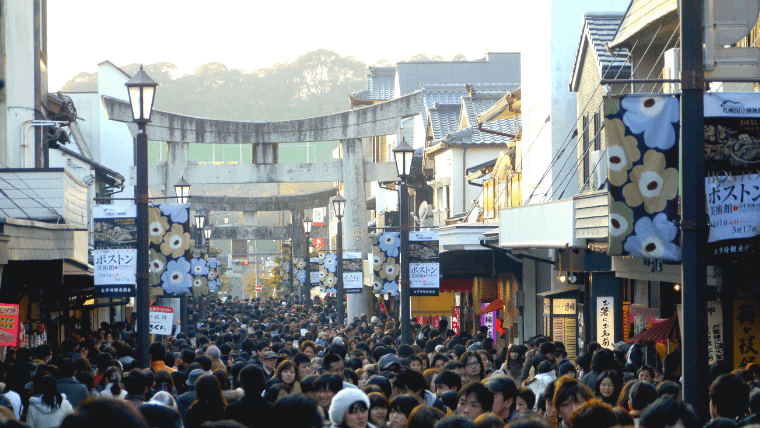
(251, 410)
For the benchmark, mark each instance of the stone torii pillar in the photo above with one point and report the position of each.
(355, 237)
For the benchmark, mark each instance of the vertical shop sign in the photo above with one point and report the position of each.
(424, 269)
(626, 323)
(114, 250)
(605, 321)
(319, 216)
(455, 320)
(746, 332)
(488, 320)
(715, 330)
(8, 324)
(314, 271)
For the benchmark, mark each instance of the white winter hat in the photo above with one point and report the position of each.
(343, 401)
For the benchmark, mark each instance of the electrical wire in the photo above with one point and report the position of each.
(569, 138)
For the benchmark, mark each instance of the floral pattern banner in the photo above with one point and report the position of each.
(385, 262)
(199, 270)
(642, 133)
(328, 271)
(170, 268)
(299, 264)
(214, 281)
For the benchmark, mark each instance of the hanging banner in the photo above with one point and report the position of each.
(299, 269)
(626, 320)
(169, 245)
(328, 271)
(352, 272)
(214, 281)
(424, 269)
(115, 250)
(605, 321)
(746, 331)
(318, 243)
(385, 263)
(455, 320)
(161, 318)
(314, 271)
(642, 133)
(732, 174)
(715, 330)
(199, 270)
(488, 320)
(8, 324)
(318, 215)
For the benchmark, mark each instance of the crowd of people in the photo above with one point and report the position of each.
(268, 363)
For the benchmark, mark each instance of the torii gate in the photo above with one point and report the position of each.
(349, 127)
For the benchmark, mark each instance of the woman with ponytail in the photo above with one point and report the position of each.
(113, 387)
(48, 407)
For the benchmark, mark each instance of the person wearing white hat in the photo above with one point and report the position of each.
(350, 409)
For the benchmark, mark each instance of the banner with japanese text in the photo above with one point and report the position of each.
(605, 321)
(161, 318)
(715, 346)
(746, 332)
(9, 327)
(114, 250)
(732, 174)
(314, 271)
(169, 257)
(424, 268)
(352, 272)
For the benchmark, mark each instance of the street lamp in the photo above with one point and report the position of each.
(200, 220)
(142, 91)
(226, 218)
(182, 190)
(339, 206)
(403, 154)
(207, 234)
(307, 286)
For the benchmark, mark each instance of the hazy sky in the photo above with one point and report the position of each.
(253, 34)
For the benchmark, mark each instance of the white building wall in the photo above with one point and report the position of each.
(116, 143)
(89, 108)
(547, 63)
(18, 49)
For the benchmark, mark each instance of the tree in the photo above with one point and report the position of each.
(420, 57)
(249, 284)
(382, 63)
(459, 57)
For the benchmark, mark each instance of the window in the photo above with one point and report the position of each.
(597, 130)
(239, 247)
(585, 148)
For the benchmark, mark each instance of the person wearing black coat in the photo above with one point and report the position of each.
(252, 410)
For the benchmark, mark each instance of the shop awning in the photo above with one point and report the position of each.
(666, 330)
(454, 285)
(493, 306)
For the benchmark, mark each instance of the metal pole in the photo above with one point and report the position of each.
(694, 364)
(142, 293)
(307, 282)
(341, 295)
(405, 310)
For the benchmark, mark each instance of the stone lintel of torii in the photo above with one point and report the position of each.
(349, 127)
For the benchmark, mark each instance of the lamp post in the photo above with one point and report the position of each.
(339, 206)
(403, 154)
(307, 284)
(200, 221)
(142, 92)
(182, 191)
(206, 234)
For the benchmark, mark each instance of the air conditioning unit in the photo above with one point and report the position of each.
(598, 160)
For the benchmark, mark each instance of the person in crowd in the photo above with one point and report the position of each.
(298, 411)
(645, 373)
(287, 374)
(47, 407)
(113, 388)
(669, 412)
(411, 382)
(514, 362)
(569, 394)
(209, 404)
(350, 409)
(400, 409)
(474, 400)
(594, 413)
(378, 409)
(504, 393)
(607, 388)
(135, 382)
(185, 400)
(473, 366)
(326, 386)
(424, 416)
(67, 384)
(640, 396)
(729, 397)
(112, 413)
(602, 361)
(251, 410)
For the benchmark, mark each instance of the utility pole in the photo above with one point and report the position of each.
(694, 227)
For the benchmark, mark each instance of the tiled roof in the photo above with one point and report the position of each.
(495, 67)
(598, 30)
(443, 104)
(381, 83)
